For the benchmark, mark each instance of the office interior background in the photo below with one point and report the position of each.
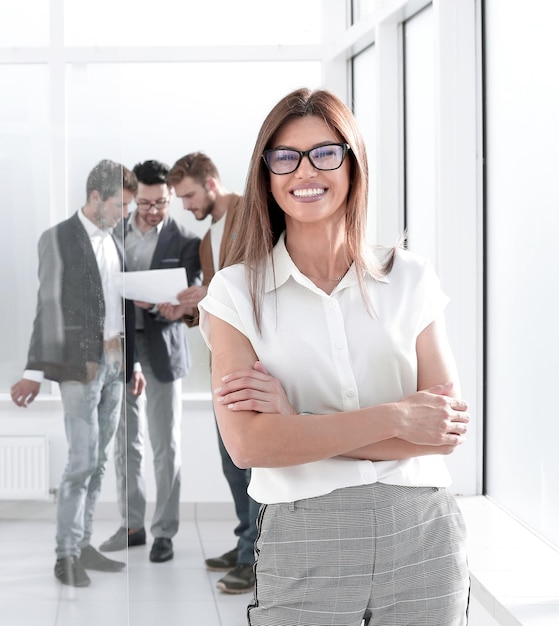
(458, 102)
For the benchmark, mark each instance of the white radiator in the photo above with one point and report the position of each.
(24, 468)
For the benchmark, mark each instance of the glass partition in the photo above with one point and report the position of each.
(73, 102)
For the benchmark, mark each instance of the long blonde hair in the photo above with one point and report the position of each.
(260, 219)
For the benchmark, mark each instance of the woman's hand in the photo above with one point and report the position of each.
(433, 417)
(254, 390)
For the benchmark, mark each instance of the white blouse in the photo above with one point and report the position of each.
(332, 354)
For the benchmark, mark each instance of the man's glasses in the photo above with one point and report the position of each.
(145, 205)
(286, 160)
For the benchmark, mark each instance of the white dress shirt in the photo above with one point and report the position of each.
(332, 355)
(109, 264)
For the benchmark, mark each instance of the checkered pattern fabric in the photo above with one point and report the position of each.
(396, 551)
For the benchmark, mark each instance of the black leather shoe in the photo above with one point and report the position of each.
(123, 538)
(91, 559)
(70, 571)
(162, 550)
(223, 563)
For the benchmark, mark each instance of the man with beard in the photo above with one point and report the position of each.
(77, 342)
(196, 181)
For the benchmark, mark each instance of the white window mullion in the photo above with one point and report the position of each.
(459, 211)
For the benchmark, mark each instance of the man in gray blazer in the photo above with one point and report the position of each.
(153, 240)
(77, 342)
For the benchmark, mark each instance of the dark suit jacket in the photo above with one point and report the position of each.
(68, 326)
(166, 341)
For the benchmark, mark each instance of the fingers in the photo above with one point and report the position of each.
(244, 378)
(253, 390)
(434, 418)
(170, 311)
(191, 297)
(22, 397)
(457, 408)
(143, 305)
(242, 388)
(443, 390)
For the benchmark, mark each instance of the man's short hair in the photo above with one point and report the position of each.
(151, 172)
(196, 165)
(107, 178)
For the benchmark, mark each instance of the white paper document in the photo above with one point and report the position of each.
(155, 286)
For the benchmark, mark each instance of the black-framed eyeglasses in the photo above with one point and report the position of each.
(287, 160)
(145, 205)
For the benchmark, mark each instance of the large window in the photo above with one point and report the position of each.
(420, 131)
(26, 191)
(522, 134)
(130, 81)
(414, 91)
(97, 96)
(365, 110)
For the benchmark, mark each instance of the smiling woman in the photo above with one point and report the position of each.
(354, 396)
(312, 187)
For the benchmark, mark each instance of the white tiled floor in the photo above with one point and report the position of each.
(180, 592)
(514, 575)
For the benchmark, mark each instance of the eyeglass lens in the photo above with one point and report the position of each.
(145, 205)
(285, 161)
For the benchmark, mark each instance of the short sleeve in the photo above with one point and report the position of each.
(222, 301)
(433, 300)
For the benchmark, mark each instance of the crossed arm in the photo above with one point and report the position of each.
(260, 428)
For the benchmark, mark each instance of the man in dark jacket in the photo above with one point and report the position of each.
(77, 342)
(153, 240)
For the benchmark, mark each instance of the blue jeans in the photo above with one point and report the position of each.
(91, 412)
(245, 507)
